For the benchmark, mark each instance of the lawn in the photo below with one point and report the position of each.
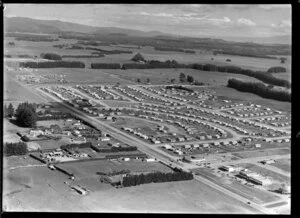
(284, 164)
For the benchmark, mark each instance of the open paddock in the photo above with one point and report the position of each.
(256, 195)
(164, 76)
(274, 104)
(261, 153)
(88, 169)
(283, 164)
(266, 173)
(15, 93)
(203, 58)
(193, 196)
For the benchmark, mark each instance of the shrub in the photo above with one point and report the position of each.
(51, 56)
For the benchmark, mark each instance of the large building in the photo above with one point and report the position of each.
(254, 178)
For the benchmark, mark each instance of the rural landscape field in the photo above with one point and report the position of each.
(120, 120)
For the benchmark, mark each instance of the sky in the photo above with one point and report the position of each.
(179, 19)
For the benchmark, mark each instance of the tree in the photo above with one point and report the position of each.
(5, 111)
(190, 79)
(10, 110)
(26, 115)
(282, 60)
(138, 57)
(148, 80)
(182, 77)
(173, 80)
(138, 80)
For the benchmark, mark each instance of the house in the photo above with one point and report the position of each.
(150, 160)
(167, 146)
(181, 139)
(187, 146)
(268, 161)
(227, 168)
(258, 145)
(36, 132)
(104, 139)
(79, 189)
(205, 145)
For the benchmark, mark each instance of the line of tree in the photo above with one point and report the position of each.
(243, 53)
(276, 70)
(260, 75)
(7, 56)
(154, 64)
(183, 78)
(156, 177)
(51, 56)
(19, 148)
(99, 55)
(109, 52)
(81, 145)
(114, 149)
(259, 89)
(53, 64)
(174, 49)
(35, 39)
(105, 66)
(75, 47)
(8, 111)
(26, 114)
(180, 88)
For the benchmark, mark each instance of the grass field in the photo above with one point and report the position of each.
(284, 164)
(83, 76)
(204, 58)
(89, 169)
(14, 93)
(160, 76)
(286, 76)
(278, 105)
(23, 188)
(265, 172)
(261, 153)
(251, 193)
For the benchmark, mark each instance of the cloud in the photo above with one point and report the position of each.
(282, 24)
(247, 22)
(272, 7)
(156, 15)
(218, 21)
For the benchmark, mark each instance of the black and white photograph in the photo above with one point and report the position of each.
(147, 108)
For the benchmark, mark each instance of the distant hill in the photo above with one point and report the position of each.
(284, 39)
(22, 24)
